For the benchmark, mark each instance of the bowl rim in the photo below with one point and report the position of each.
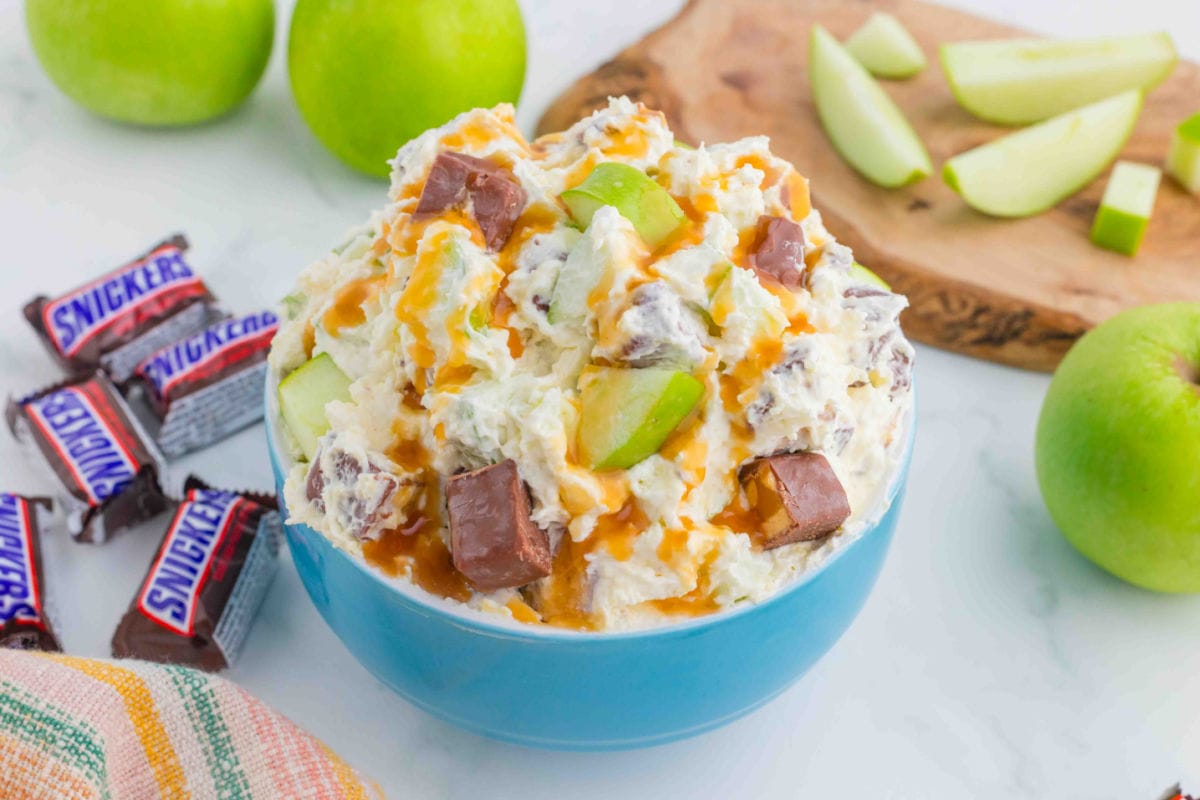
(481, 622)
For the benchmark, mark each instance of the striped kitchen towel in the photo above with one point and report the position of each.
(126, 730)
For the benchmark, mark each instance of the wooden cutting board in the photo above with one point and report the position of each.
(1014, 291)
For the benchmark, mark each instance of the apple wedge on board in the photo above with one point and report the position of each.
(865, 126)
(1027, 172)
(1019, 81)
(886, 48)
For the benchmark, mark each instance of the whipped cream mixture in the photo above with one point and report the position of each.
(457, 363)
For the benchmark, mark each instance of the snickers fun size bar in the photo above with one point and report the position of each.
(108, 469)
(118, 319)
(207, 581)
(23, 622)
(206, 386)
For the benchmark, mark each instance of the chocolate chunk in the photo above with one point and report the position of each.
(779, 251)
(23, 621)
(497, 202)
(492, 539)
(496, 197)
(125, 315)
(797, 496)
(359, 493)
(206, 582)
(446, 186)
(109, 471)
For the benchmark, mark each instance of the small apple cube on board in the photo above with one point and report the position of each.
(1183, 163)
(654, 213)
(1125, 210)
(886, 48)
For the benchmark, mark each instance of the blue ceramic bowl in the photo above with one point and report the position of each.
(577, 691)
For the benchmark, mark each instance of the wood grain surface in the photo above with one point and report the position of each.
(1013, 291)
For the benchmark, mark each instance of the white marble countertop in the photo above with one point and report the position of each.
(991, 660)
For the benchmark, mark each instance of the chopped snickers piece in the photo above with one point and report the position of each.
(496, 197)
(779, 251)
(492, 539)
(797, 496)
(361, 497)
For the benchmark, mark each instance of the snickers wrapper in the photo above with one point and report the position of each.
(116, 320)
(209, 385)
(106, 465)
(206, 582)
(23, 621)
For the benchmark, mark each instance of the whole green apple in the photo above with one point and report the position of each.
(369, 75)
(1118, 446)
(153, 62)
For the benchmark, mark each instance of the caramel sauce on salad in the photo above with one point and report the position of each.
(417, 550)
(347, 310)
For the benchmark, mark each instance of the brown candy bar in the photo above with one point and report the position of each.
(23, 621)
(207, 386)
(492, 539)
(797, 496)
(107, 467)
(206, 582)
(121, 317)
(496, 197)
(779, 251)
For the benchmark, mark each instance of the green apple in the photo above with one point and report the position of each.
(867, 276)
(153, 62)
(1031, 170)
(886, 48)
(865, 126)
(654, 213)
(1117, 443)
(303, 395)
(1018, 81)
(626, 414)
(1125, 210)
(1183, 163)
(368, 75)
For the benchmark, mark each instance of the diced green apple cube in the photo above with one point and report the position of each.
(886, 48)
(1125, 210)
(1183, 163)
(303, 395)
(626, 414)
(1033, 169)
(1019, 81)
(867, 276)
(654, 213)
(866, 127)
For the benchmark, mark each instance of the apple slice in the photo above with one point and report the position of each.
(303, 395)
(867, 276)
(863, 123)
(1033, 169)
(627, 414)
(1018, 81)
(654, 213)
(886, 48)
(1125, 210)
(1183, 163)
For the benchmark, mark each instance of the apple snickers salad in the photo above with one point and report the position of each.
(601, 380)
